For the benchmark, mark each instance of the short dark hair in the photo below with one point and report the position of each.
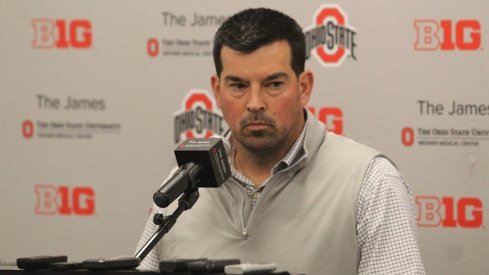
(251, 29)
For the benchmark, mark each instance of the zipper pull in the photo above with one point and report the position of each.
(244, 233)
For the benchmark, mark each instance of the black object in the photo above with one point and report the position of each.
(66, 266)
(112, 263)
(38, 262)
(202, 162)
(186, 202)
(177, 265)
(208, 266)
(250, 268)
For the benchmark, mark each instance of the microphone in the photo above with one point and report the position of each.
(202, 162)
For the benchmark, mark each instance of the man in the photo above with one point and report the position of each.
(310, 201)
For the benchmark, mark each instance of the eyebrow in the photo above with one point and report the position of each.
(275, 76)
(232, 78)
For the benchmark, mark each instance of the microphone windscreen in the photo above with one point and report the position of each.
(225, 141)
(211, 154)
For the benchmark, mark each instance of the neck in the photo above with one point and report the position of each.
(257, 166)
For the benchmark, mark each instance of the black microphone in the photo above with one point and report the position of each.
(202, 163)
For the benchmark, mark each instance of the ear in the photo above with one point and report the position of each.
(306, 83)
(216, 89)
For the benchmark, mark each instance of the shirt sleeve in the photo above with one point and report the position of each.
(152, 260)
(386, 228)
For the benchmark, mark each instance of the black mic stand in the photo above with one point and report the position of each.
(186, 201)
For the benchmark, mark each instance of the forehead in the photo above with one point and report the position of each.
(267, 59)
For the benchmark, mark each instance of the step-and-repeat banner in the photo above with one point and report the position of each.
(96, 94)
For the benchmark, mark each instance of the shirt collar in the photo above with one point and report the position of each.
(294, 154)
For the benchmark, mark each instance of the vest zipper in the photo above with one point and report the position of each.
(244, 227)
(244, 231)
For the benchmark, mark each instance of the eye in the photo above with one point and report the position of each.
(237, 86)
(275, 84)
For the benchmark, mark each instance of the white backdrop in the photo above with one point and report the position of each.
(96, 94)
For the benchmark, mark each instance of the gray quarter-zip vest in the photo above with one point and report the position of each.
(304, 221)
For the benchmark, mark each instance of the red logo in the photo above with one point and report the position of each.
(153, 47)
(63, 200)
(330, 39)
(61, 34)
(447, 35)
(199, 118)
(27, 129)
(449, 212)
(331, 116)
(407, 136)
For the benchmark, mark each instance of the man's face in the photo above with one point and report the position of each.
(261, 97)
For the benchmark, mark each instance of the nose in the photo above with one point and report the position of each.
(256, 101)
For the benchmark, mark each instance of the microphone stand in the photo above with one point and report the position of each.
(186, 201)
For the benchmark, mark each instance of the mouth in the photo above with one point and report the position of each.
(255, 126)
(257, 122)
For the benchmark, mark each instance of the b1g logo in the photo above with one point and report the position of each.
(331, 39)
(63, 200)
(447, 35)
(449, 212)
(332, 117)
(61, 34)
(199, 117)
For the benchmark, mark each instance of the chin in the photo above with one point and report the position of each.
(260, 145)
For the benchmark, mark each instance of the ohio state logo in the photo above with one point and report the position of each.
(331, 39)
(199, 117)
(28, 129)
(407, 136)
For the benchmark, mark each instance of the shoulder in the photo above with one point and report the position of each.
(340, 149)
(383, 175)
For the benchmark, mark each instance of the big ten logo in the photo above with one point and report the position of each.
(330, 37)
(464, 212)
(447, 35)
(199, 117)
(27, 129)
(64, 200)
(332, 117)
(61, 34)
(407, 136)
